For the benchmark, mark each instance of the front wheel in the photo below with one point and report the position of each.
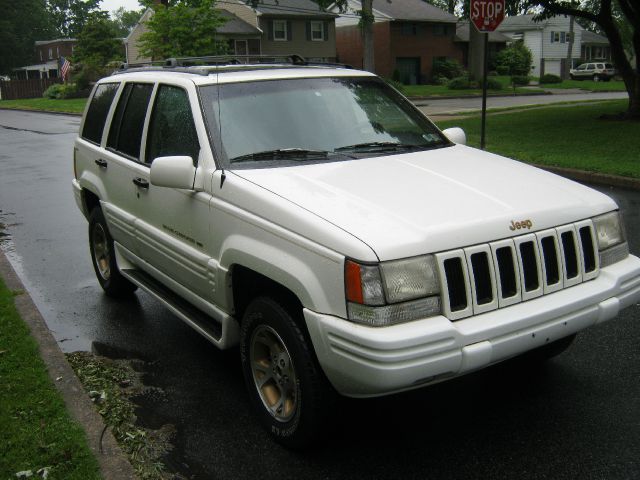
(104, 259)
(287, 388)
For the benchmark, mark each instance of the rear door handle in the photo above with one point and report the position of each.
(141, 182)
(101, 163)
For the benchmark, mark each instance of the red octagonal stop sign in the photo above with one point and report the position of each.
(487, 14)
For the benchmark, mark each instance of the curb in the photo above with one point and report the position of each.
(593, 177)
(462, 97)
(50, 112)
(112, 460)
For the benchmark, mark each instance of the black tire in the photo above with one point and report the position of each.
(275, 352)
(103, 258)
(548, 351)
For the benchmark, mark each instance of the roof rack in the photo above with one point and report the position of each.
(208, 64)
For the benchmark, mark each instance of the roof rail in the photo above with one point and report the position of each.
(205, 65)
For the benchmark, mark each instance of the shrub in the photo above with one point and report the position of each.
(459, 83)
(550, 78)
(492, 73)
(395, 84)
(396, 75)
(447, 68)
(61, 90)
(502, 70)
(516, 58)
(493, 84)
(520, 80)
(439, 80)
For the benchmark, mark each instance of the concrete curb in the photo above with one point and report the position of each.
(50, 112)
(112, 460)
(593, 177)
(462, 97)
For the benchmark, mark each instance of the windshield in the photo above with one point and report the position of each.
(284, 122)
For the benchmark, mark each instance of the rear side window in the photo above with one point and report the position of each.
(608, 66)
(171, 130)
(98, 111)
(125, 134)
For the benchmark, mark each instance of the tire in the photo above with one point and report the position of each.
(287, 388)
(596, 78)
(548, 351)
(104, 259)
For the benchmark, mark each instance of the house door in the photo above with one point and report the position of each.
(241, 47)
(409, 69)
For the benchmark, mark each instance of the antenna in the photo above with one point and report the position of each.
(223, 177)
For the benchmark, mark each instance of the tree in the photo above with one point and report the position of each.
(98, 42)
(517, 58)
(125, 20)
(603, 14)
(182, 28)
(21, 24)
(68, 17)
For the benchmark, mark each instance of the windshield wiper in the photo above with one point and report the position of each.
(381, 146)
(281, 153)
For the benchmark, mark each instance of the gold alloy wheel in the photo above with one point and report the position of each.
(273, 373)
(101, 251)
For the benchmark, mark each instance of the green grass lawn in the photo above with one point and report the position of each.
(568, 136)
(36, 431)
(590, 85)
(444, 91)
(72, 105)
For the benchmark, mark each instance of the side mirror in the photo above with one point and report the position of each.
(456, 135)
(173, 172)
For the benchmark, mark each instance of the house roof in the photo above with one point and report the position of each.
(57, 40)
(407, 10)
(462, 34)
(521, 21)
(235, 25)
(291, 8)
(593, 38)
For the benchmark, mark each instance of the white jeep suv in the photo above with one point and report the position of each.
(314, 217)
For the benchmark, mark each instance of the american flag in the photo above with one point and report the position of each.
(64, 68)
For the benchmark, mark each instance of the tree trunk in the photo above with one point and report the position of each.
(569, 63)
(367, 35)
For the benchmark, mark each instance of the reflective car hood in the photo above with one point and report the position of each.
(430, 201)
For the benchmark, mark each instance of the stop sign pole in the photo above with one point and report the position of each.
(486, 15)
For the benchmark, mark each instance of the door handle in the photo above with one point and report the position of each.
(101, 163)
(141, 182)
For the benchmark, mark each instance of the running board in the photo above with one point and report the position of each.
(204, 324)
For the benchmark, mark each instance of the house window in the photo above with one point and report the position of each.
(50, 53)
(409, 29)
(560, 37)
(57, 52)
(40, 52)
(280, 30)
(440, 30)
(317, 31)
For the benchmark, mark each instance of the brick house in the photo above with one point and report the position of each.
(409, 35)
(47, 54)
(274, 27)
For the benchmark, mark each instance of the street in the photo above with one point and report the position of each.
(576, 417)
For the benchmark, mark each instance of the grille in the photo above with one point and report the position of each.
(485, 277)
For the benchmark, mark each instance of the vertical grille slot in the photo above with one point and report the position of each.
(529, 266)
(570, 254)
(588, 250)
(456, 284)
(482, 278)
(507, 271)
(550, 256)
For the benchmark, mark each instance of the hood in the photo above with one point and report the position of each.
(431, 201)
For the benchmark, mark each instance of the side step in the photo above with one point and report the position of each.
(204, 324)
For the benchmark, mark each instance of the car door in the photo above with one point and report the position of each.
(172, 224)
(119, 158)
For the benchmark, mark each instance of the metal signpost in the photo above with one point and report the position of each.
(486, 15)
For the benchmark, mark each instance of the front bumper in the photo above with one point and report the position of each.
(363, 361)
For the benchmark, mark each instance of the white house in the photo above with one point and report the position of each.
(548, 41)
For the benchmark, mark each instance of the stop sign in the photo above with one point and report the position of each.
(486, 15)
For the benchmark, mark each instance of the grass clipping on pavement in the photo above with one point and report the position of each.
(38, 439)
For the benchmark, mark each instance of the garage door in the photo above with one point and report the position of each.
(552, 66)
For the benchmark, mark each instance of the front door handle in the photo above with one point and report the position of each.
(101, 163)
(141, 182)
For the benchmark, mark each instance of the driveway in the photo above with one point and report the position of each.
(575, 417)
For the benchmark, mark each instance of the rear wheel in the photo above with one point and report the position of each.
(104, 259)
(288, 390)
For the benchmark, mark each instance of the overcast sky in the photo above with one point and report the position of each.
(111, 5)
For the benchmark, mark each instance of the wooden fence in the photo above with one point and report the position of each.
(32, 88)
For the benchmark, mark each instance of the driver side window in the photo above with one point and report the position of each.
(171, 129)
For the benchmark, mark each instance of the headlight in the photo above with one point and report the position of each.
(610, 237)
(392, 292)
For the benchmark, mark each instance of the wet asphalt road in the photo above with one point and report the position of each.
(576, 417)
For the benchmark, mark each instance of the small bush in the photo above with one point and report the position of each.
(550, 78)
(439, 80)
(520, 80)
(459, 83)
(395, 84)
(447, 68)
(396, 75)
(502, 70)
(493, 84)
(492, 73)
(61, 90)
